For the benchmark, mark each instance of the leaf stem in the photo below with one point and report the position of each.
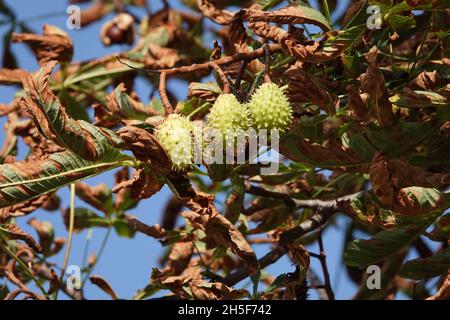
(100, 252)
(327, 11)
(69, 241)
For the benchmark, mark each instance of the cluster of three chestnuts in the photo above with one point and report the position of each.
(267, 109)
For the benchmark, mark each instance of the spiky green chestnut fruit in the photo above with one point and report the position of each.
(226, 127)
(229, 116)
(175, 134)
(270, 108)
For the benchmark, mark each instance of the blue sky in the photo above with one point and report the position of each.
(126, 263)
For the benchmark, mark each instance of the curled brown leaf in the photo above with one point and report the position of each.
(53, 44)
(104, 286)
(15, 233)
(145, 147)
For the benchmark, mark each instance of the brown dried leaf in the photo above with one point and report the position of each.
(179, 258)
(104, 285)
(388, 177)
(15, 233)
(10, 138)
(304, 150)
(306, 88)
(309, 51)
(266, 31)
(202, 290)
(152, 231)
(288, 15)
(299, 255)
(7, 108)
(40, 101)
(357, 104)
(95, 196)
(23, 209)
(217, 15)
(372, 83)
(53, 44)
(388, 173)
(425, 81)
(28, 295)
(45, 232)
(121, 195)
(10, 76)
(39, 145)
(94, 13)
(207, 92)
(220, 231)
(145, 147)
(116, 108)
(160, 57)
(142, 185)
(444, 291)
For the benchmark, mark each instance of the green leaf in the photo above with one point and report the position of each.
(86, 219)
(366, 210)
(389, 271)
(349, 36)
(424, 268)
(398, 139)
(396, 20)
(267, 4)
(23, 181)
(123, 229)
(360, 253)
(73, 107)
(400, 23)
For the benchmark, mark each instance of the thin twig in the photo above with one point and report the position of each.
(280, 250)
(267, 78)
(323, 262)
(163, 93)
(240, 75)
(257, 191)
(309, 203)
(223, 77)
(136, 68)
(317, 284)
(100, 252)
(241, 56)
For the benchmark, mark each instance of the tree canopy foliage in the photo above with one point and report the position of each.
(366, 137)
